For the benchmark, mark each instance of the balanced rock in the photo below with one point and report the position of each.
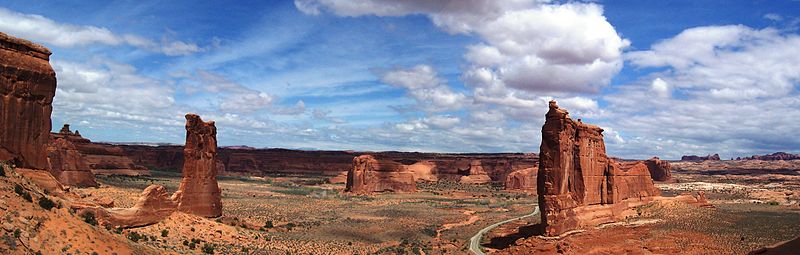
(68, 165)
(660, 170)
(522, 179)
(27, 88)
(370, 175)
(578, 185)
(199, 193)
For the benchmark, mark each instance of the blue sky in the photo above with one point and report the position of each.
(663, 78)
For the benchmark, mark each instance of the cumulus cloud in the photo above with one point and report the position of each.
(41, 29)
(734, 82)
(423, 84)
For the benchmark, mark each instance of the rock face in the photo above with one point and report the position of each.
(775, 156)
(101, 158)
(68, 165)
(370, 175)
(199, 192)
(476, 174)
(153, 206)
(578, 185)
(659, 170)
(700, 158)
(27, 88)
(523, 179)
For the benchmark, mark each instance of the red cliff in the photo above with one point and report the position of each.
(68, 165)
(523, 179)
(578, 185)
(27, 88)
(370, 175)
(660, 170)
(199, 192)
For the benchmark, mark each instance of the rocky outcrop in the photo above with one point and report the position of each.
(68, 165)
(578, 185)
(523, 179)
(199, 193)
(774, 156)
(476, 174)
(660, 170)
(370, 174)
(339, 179)
(101, 158)
(423, 171)
(153, 206)
(700, 158)
(27, 88)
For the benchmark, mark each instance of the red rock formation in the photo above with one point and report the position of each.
(700, 158)
(523, 179)
(339, 179)
(476, 174)
(101, 158)
(153, 206)
(774, 156)
(27, 88)
(578, 185)
(370, 175)
(199, 192)
(68, 165)
(659, 170)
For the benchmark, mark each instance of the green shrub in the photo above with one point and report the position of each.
(269, 224)
(208, 248)
(2, 170)
(133, 236)
(88, 217)
(46, 203)
(17, 233)
(164, 233)
(191, 246)
(774, 203)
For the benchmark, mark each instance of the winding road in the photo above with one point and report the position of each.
(475, 241)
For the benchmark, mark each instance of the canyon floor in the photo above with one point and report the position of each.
(306, 215)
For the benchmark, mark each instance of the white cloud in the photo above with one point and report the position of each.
(423, 84)
(773, 16)
(660, 88)
(442, 121)
(41, 29)
(727, 62)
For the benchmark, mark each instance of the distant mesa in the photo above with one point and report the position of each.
(578, 185)
(660, 170)
(700, 158)
(370, 175)
(27, 88)
(774, 156)
(101, 158)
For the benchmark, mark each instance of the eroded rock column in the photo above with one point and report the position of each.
(199, 192)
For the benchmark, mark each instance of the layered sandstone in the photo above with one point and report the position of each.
(475, 174)
(68, 165)
(523, 179)
(370, 174)
(199, 193)
(578, 185)
(660, 170)
(101, 158)
(27, 88)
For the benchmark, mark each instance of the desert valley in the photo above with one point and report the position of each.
(63, 191)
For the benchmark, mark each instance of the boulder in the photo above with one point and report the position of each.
(660, 170)
(578, 184)
(199, 193)
(27, 88)
(370, 174)
(153, 206)
(523, 179)
(68, 165)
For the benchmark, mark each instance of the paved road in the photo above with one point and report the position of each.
(475, 241)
